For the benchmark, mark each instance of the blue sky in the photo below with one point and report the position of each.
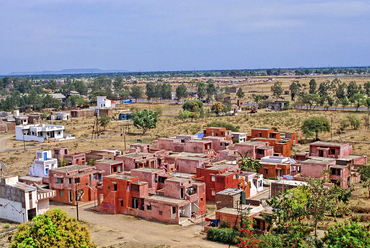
(154, 35)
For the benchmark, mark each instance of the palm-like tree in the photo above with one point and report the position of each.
(247, 163)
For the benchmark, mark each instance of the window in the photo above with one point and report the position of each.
(70, 180)
(266, 171)
(46, 171)
(61, 193)
(161, 179)
(30, 196)
(108, 187)
(260, 151)
(94, 176)
(77, 180)
(114, 169)
(160, 212)
(115, 187)
(134, 187)
(119, 168)
(212, 178)
(332, 151)
(220, 144)
(121, 203)
(128, 188)
(213, 192)
(149, 207)
(59, 180)
(259, 134)
(156, 179)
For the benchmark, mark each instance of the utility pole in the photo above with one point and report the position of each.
(331, 129)
(124, 137)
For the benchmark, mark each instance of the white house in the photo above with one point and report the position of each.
(42, 164)
(103, 102)
(20, 202)
(40, 133)
(255, 181)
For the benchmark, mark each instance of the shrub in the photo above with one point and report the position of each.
(222, 235)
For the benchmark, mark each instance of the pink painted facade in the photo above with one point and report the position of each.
(136, 160)
(255, 149)
(330, 149)
(190, 164)
(149, 175)
(219, 143)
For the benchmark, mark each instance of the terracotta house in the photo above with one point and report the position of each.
(75, 182)
(71, 158)
(150, 175)
(218, 177)
(109, 166)
(218, 131)
(138, 160)
(255, 149)
(274, 167)
(219, 143)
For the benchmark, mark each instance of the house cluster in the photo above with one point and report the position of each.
(171, 179)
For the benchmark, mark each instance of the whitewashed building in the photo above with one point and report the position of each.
(41, 132)
(20, 202)
(42, 164)
(103, 102)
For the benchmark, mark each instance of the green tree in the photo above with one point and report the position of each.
(367, 88)
(276, 89)
(344, 102)
(240, 94)
(52, 229)
(256, 98)
(352, 89)
(75, 100)
(184, 115)
(228, 126)
(365, 177)
(166, 92)
(323, 89)
(314, 125)
(247, 163)
(211, 88)
(295, 89)
(118, 84)
(192, 105)
(146, 120)
(347, 234)
(136, 92)
(354, 121)
(80, 87)
(310, 99)
(150, 91)
(313, 86)
(181, 91)
(357, 99)
(91, 162)
(124, 94)
(104, 120)
(217, 107)
(201, 88)
(341, 91)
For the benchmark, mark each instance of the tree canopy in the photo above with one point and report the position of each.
(277, 89)
(314, 125)
(52, 229)
(146, 120)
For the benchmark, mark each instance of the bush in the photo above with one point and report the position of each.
(222, 235)
(192, 105)
(355, 122)
(227, 125)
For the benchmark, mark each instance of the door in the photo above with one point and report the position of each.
(182, 193)
(90, 179)
(45, 156)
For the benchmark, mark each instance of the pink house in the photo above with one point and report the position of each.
(255, 149)
(109, 166)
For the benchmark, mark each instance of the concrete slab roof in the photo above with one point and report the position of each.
(230, 191)
(178, 179)
(166, 199)
(31, 178)
(109, 161)
(252, 210)
(151, 170)
(134, 155)
(318, 161)
(139, 183)
(120, 176)
(194, 158)
(251, 142)
(335, 144)
(350, 157)
(70, 168)
(86, 173)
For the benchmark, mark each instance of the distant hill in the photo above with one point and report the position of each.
(67, 71)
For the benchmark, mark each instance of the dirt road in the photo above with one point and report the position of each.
(128, 231)
(4, 140)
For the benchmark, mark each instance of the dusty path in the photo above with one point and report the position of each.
(4, 140)
(128, 231)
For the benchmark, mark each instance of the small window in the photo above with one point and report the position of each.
(70, 180)
(94, 176)
(119, 168)
(108, 187)
(115, 187)
(60, 180)
(121, 203)
(61, 193)
(160, 212)
(128, 188)
(213, 192)
(30, 196)
(149, 207)
(114, 169)
(266, 171)
(46, 171)
(77, 180)
(161, 179)
(201, 199)
(332, 151)
(212, 178)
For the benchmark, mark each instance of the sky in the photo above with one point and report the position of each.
(169, 35)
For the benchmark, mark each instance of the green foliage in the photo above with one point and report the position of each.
(222, 235)
(201, 87)
(310, 99)
(347, 234)
(136, 92)
(248, 163)
(354, 121)
(357, 99)
(314, 125)
(365, 176)
(217, 107)
(195, 128)
(91, 162)
(276, 89)
(181, 91)
(145, 120)
(192, 105)
(183, 115)
(295, 89)
(76, 100)
(52, 229)
(240, 94)
(313, 86)
(104, 120)
(150, 90)
(62, 162)
(228, 126)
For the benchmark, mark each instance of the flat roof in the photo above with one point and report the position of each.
(134, 154)
(139, 183)
(253, 210)
(178, 179)
(317, 161)
(86, 173)
(200, 141)
(72, 167)
(167, 199)
(350, 157)
(251, 142)
(148, 169)
(193, 158)
(229, 191)
(265, 147)
(31, 178)
(322, 143)
(288, 182)
(109, 161)
(120, 176)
